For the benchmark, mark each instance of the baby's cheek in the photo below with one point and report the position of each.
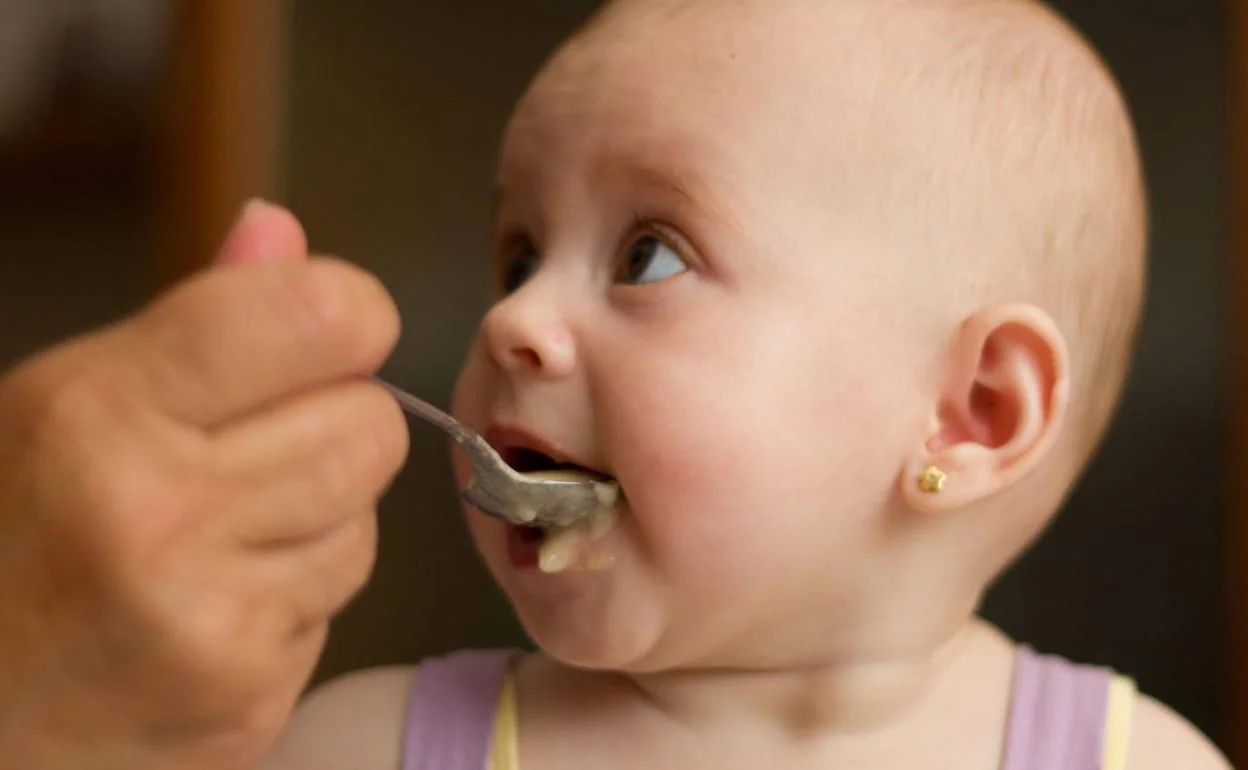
(691, 488)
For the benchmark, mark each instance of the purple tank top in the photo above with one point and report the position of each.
(1056, 722)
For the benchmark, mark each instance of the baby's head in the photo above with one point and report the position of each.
(766, 262)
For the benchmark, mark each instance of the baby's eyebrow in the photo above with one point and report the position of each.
(690, 191)
(680, 183)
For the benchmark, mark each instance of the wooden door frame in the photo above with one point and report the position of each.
(224, 121)
(1237, 526)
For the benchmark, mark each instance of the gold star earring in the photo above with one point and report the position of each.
(932, 480)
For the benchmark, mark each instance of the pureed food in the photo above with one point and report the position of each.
(572, 547)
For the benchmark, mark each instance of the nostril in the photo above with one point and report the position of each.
(526, 357)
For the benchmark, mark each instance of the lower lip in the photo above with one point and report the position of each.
(523, 547)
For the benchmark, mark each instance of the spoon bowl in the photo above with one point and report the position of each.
(496, 489)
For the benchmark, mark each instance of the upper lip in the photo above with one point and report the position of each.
(507, 439)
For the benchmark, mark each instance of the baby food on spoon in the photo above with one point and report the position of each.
(572, 547)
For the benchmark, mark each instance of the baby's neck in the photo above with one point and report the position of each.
(853, 698)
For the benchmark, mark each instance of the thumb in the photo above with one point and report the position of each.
(263, 232)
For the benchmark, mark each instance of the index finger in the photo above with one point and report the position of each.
(231, 341)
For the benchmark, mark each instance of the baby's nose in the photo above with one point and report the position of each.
(526, 335)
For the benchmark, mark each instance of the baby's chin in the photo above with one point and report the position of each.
(613, 618)
(591, 643)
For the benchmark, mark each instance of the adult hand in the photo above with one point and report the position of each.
(186, 499)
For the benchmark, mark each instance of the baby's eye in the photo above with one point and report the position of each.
(650, 260)
(519, 266)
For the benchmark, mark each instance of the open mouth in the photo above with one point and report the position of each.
(534, 462)
(559, 549)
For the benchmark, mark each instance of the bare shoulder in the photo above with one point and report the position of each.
(1163, 740)
(354, 722)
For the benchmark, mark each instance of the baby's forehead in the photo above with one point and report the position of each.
(760, 81)
(717, 63)
(839, 105)
(642, 104)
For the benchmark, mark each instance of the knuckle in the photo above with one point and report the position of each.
(385, 324)
(371, 445)
(127, 505)
(363, 548)
(98, 494)
(146, 579)
(385, 435)
(184, 327)
(355, 311)
(321, 301)
(356, 561)
(339, 481)
(181, 315)
(58, 402)
(152, 523)
(381, 439)
(207, 646)
(137, 494)
(325, 304)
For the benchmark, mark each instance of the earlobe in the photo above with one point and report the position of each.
(999, 413)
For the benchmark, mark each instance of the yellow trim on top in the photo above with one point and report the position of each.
(1118, 723)
(505, 741)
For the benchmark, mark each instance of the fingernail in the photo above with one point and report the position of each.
(252, 207)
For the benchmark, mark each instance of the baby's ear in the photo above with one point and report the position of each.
(999, 414)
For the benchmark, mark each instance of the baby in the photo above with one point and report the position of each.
(843, 294)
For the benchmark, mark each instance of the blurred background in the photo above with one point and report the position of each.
(131, 131)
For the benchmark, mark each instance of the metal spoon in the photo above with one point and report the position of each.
(500, 491)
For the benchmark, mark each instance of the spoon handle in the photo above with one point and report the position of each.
(429, 413)
(488, 467)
